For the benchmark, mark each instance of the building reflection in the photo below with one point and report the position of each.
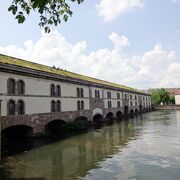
(74, 157)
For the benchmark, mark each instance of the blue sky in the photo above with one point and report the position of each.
(135, 42)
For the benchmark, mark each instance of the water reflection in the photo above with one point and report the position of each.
(148, 143)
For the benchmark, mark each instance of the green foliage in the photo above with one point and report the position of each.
(51, 12)
(172, 99)
(161, 96)
(76, 125)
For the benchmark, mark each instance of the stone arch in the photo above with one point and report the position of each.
(131, 113)
(119, 114)
(126, 111)
(97, 111)
(81, 118)
(140, 108)
(97, 118)
(136, 111)
(54, 127)
(19, 130)
(109, 116)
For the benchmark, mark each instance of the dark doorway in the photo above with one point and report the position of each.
(119, 115)
(126, 111)
(16, 139)
(140, 108)
(55, 128)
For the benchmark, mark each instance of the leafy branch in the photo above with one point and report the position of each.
(51, 12)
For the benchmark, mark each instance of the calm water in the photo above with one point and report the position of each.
(146, 147)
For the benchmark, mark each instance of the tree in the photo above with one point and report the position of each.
(51, 12)
(160, 96)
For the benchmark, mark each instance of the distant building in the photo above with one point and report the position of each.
(173, 91)
(177, 99)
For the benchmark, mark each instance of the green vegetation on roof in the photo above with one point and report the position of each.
(27, 64)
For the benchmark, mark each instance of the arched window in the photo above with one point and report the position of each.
(95, 93)
(78, 106)
(82, 105)
(52, 90)
(98, 94)
(21, 107)
(82, 92)
(118, 104)
(109, 104)
(58, 90)
(118, 96)
(11, 86)
(130, 96)
(53, 108)
(21, 87)
(78, 92)
(11, 107)
(131, 104)
(135, 97)
(58, 106)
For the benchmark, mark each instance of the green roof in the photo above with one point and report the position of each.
(35, 66)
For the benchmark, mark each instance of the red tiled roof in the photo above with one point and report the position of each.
(173, 91)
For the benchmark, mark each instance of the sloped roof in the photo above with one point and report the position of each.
(35, 66)
(173, 91)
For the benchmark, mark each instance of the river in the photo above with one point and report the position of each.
(146, 147)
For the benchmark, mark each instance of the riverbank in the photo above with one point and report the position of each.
(167, 107)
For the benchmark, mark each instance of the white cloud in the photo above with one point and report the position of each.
(119, 41)
(154, 68)
(110, 9)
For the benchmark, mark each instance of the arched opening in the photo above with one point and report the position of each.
(140, 108)
(21, 87)
(18, 131)
(119, 115)
(82, 105)
(11, 107)
(21, 107)
(136, 111)
(11, 86)
(126, 111)
(98, 118)
(147, 109)
(78, 92)
(109, 116)
(144, 109)
(82, 92)
(58, 106)
(53, 106)
(52, 90)
(16, 139)
(55, 128)
(131, 113)
(58, 90)
(80, 123)
(78, 105)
